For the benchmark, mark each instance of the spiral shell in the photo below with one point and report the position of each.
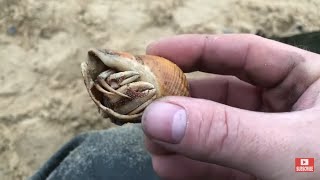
(122, 85)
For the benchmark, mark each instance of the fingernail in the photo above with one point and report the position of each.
(165, 122)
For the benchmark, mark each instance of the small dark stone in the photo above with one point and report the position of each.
(300, 28)
(117, 122)
(12, 30)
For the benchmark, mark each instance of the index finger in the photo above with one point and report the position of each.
(251, 58)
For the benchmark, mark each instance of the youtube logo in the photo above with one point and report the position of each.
(304, 165)
(304, 162)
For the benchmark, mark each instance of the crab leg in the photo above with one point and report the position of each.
(101, 79)
(121, 78)
(142, 106)
(140, 92)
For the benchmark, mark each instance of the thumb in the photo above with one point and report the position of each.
(211, 132)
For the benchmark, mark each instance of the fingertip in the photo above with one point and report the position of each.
(156, 46)
(167, 127)
(150, 50)
(165, 45)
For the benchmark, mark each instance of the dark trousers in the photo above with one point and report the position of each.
(116, 153)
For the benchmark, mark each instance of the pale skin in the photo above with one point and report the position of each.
(250, 122)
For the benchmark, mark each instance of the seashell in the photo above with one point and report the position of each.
(122, 85)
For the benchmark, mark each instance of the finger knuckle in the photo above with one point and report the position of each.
(214, 132)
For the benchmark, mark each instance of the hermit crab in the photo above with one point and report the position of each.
(122, 85)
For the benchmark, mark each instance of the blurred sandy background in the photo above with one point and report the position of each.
(43, 99)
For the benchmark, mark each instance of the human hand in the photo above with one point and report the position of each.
(249, 126)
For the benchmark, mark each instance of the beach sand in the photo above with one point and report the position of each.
(43, 99)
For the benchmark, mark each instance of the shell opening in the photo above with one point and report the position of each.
(118, 93)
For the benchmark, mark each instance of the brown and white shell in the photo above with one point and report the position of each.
(122, 85)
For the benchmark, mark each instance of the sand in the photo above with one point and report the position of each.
(44, 102)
